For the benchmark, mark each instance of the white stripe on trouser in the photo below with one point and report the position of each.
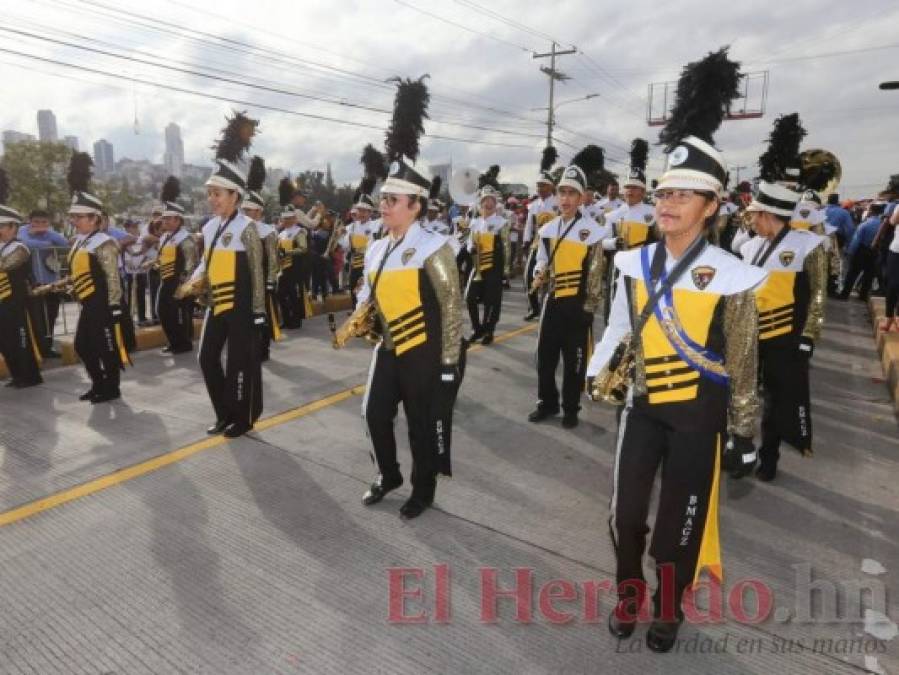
(613, 502)
(203, 333)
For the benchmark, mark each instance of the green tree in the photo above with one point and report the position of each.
(37, 174)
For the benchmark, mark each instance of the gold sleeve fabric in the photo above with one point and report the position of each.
(741, 361)
(17, 257)
(107, 255)
(300, 242)
(593, 291)
(443, 274)
(506, 234)
(253, 246)
(190, 256)
(270, 243)
(815, 267)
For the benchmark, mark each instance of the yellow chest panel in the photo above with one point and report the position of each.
(359, 242)
(286, 246)
(167, 258)
(801, 225)
(568, 265)
(222, 270)
(399, 299)
(668, 377)
(5, 287)
(634, 233)
(82, 279)
(776, 304)
(485, 243)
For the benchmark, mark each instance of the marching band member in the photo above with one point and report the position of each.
(489, 245)
(411, 285)
(231, 276)
(611, 200)
(681, 340)
(632, 222)
(93, 265)
(254, 208)
(540, 211)
(18, 342)
(293, 242)
(570, 264)
(177, 261)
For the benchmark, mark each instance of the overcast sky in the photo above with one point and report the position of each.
(825, 61)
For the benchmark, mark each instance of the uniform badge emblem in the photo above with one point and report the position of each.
(702, 276)
(678, 156)
(583, 234)
(407, 255)
(786, 257)
(226, 238)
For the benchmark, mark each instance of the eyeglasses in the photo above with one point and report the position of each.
(676, 196)
(390, 200)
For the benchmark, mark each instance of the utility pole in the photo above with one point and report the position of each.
(553, 76)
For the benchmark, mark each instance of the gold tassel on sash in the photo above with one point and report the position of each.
(274, 317)
(120, 343)
(307, 303)
(33, 339)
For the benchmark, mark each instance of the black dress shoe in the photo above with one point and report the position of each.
(413, 507)
(569, 420)
(218, 427)
(166, 350)
(10, 383)
(662, 635)
(476, 335)
(18, 384)
(766, 472)
(86, 396)
(488, 339)
(379, 489)
(531, 316)
(619, 628)
(237, 429)
(541, 414)
(105, 396)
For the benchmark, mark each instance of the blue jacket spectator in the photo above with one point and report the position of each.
(864, 235)
(44, 243)
(839, 218)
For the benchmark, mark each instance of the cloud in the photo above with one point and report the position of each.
(477, 78)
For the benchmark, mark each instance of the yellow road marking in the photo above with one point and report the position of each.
(148, 466)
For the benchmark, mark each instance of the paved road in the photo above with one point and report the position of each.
(255, 556)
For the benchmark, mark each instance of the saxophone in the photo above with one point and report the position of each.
(63, 285)
(361, 323)
(611, 385)
(191, 288)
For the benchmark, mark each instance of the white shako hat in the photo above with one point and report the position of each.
(774, 198)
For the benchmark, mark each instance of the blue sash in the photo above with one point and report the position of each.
(707, 353)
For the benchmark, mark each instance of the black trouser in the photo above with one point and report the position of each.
(489, 292)
(97, 343)
(355, 275)
(235, 390)
(464, 263)
(861, 264)
(175, 316)
(533, 298)
(144, 280)
(689, 481)
(563, 333)
(321, 275)
(892, 283)
(413, 379)
(44, 311)
(292, 295)
(786, 415)
(272, 330)
(18, 343)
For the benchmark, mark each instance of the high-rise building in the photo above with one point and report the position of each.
(72, 142)
(46, 126)
(173, 158)
(11, 136)
(103, 158)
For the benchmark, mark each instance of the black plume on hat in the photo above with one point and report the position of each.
(550, 155)
(286, 191)
(436, 184)
(236, 137)
(4, 186)
(490, 177)
(256, 174)
(783, 148)
(704, 94)
(373, 163)
(79, 173)
(590, 160)
(410, 110)
(171, 190)
(639, 154)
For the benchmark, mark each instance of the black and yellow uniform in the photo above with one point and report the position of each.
(293, 242)
(791, 312)
(99, 341)
(358, 237)
(490, 246)
(631, 227)
(570, 258)
(177, 261)
(271, 264)
(18, 342)
(540, 212)
(414, 285)
(694, 379)
(232, 266)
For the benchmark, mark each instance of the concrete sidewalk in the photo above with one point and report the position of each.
(256, 556)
